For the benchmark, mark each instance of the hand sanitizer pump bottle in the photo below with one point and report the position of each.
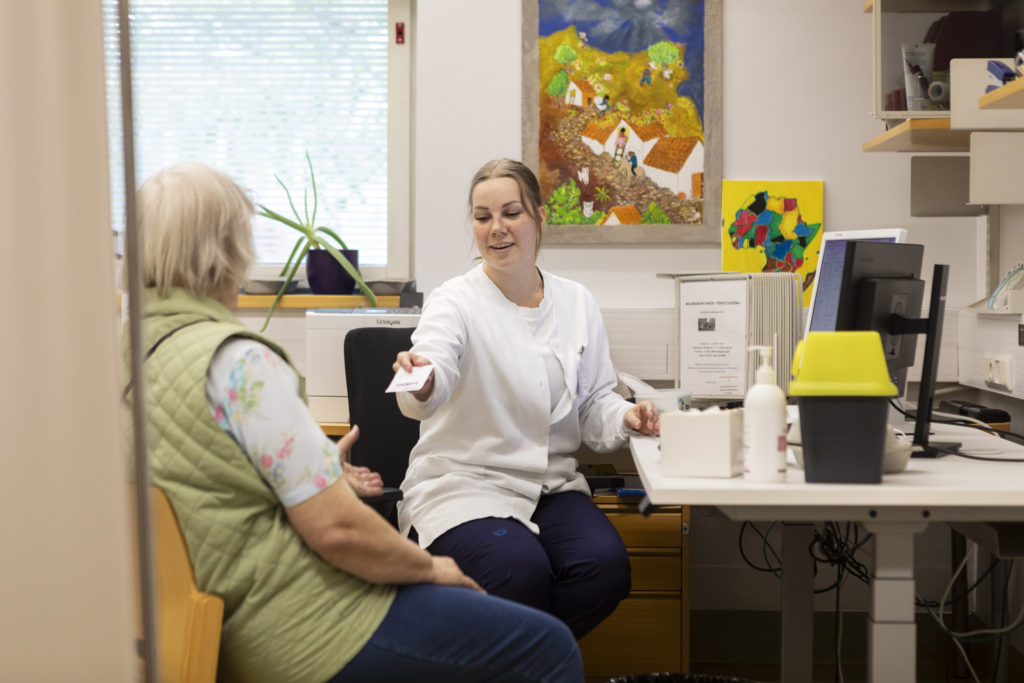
(764, 425)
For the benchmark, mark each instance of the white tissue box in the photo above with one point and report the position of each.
(705, 443)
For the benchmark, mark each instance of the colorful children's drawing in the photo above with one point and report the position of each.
(622, 93)
(773, 227)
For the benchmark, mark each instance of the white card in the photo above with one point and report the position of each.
(410, 381)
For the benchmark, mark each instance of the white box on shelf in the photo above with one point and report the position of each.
(325, 358)
(705, 443)
(968, 79)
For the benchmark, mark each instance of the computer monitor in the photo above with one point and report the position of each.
(881, 290)
(829, 273)
(879, 280)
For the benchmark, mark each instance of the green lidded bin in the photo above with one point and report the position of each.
(842, 387)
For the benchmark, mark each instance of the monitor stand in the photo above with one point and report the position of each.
(935, 449)
(930, 367)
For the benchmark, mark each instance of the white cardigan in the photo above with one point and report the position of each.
(486, 447)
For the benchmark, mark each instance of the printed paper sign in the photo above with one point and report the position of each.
(713, 337)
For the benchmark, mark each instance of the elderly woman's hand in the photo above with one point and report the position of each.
(406, 361)
(447, 573)
(364, 481)
(643, 418)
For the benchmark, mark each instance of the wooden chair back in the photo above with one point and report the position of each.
(188, 620)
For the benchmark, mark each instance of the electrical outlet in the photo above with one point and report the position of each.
(999, 371)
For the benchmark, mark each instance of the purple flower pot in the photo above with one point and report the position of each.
(327, 276)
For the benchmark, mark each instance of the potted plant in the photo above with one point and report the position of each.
(313, 239)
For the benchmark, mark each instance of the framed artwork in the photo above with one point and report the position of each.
(622, 119)
(773, 226)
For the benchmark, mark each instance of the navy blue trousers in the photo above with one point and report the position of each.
(443, 634)
(576, 569)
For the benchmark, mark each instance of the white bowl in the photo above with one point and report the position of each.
(897, 453)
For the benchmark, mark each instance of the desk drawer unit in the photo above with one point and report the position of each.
(650, 629)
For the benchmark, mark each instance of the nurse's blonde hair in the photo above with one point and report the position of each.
(196, 227)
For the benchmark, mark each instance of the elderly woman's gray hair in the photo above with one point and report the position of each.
(196, 226)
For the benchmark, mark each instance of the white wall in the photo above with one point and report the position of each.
(797, 97)
(796, 106)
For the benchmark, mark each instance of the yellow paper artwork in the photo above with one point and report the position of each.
(773, 226)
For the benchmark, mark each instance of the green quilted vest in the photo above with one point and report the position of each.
(288, 615)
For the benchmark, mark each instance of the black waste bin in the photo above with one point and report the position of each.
(677, 678)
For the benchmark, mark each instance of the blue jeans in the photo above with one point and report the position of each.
(455, 635)
(577, 568)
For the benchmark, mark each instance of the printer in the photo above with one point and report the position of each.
(325, 352)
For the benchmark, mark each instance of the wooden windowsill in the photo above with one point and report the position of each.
(315, 301)
(250, 301)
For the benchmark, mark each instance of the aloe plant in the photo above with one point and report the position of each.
(312, 237)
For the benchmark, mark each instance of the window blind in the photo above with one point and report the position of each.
(248, 87)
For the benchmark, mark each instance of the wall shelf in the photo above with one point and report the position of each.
(920, 135)
(1010, 96)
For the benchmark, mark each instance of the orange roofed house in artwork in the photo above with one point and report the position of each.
(677, 163)
(639, 139)
(622, 215)
(580, 94)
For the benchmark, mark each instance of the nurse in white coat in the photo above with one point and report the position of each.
(521, 376)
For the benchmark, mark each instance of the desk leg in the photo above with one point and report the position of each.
(997, 605)
(892, 631)
(797, 603)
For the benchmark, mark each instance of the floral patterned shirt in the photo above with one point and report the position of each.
(254, 396)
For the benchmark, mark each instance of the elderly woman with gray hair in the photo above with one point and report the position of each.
(316, 585)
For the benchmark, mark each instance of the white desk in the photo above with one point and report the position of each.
(948, 489)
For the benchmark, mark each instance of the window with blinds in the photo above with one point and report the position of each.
(249, 87)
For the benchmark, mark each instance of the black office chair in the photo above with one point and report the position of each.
(385, 435)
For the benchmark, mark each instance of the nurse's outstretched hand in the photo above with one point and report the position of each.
(643, 418)
(406, 361)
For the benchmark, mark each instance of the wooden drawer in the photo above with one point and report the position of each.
(650, 629)
(641, 636)
(660, 530)
(656, 569)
